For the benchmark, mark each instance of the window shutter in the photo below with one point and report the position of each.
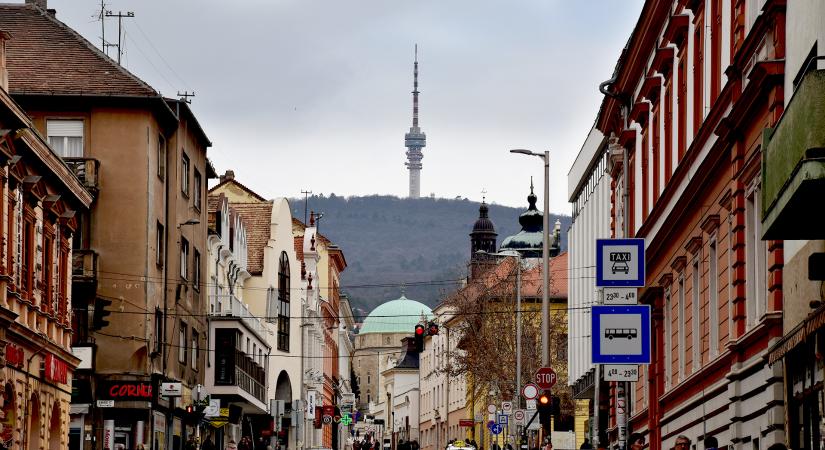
(66, 128)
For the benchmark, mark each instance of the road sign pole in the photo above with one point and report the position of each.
(597, 378)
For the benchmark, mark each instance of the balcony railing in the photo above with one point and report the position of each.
(86, 170)
(230, 306)
(84, 265)
(793, 164)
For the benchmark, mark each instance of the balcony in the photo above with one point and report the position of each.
(86, 170)
(84, 266)
(228, 306)
(793, 165)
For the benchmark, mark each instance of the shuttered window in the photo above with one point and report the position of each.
(66, 137)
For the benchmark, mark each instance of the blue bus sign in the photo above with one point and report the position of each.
(621, 334)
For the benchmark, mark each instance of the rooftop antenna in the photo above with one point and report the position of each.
(185, 96)
(483, 195)
(120, 17)
(306, 201)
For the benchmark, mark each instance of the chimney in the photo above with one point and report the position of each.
(229, 175)
(42, 4)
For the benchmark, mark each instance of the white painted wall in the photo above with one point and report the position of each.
(593, 221)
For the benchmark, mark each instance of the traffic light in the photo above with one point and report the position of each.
(99, 315)
(545, 407)
(190, 409)
(419, 337)
(432, 328)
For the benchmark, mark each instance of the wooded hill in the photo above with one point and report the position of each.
(388, 241)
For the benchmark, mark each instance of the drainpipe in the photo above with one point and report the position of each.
(624, 100)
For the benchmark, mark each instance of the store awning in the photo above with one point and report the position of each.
(810, 325)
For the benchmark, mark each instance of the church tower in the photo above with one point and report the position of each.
(415, 140)
(482, 242)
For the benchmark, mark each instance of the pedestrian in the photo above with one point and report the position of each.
(586, 445)
(636, 441)
(414, 445)
(231, 445)
(682, 443)
(711, 443)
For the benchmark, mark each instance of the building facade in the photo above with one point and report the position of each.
(41, 198)
(686, 111)
(237, 373)
(793, 181)
(145, 324)
(589, 190)
(272, 292)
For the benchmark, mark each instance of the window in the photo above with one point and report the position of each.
(197, 190)
(48, 273)
(698, 73)
(283, 303)
(668, 338)
(27, 261)
(196, 270)
(161, 157)
(184, 175)
(755, 257)
(182, 343)
(195, 349)
(696, 319)
(159, 245)
(66, 137)
(158, 331)
(713, 299)
(184, 258)
(681, 321)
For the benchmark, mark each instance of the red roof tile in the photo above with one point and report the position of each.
(257, 218)
(44, 56)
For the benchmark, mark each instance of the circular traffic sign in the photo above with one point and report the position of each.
(496, 429)
(530, 391)
(518, 415)
(491, 409)
(545, 377)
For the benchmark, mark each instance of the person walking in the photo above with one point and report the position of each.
(586, 445)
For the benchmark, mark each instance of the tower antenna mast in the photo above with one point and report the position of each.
(415, 140)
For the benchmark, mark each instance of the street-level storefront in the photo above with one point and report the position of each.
(34, 390)
(801, 353)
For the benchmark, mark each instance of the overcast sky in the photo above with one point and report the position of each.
(315, 94)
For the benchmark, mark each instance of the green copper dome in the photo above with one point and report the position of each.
(395, 316)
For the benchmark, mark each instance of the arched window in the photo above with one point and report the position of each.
(283, 303)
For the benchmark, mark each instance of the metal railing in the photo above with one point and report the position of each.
(230, 306)
(86, 170)
(84, 264)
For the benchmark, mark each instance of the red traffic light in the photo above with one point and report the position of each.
(419, 330)
(189, 409)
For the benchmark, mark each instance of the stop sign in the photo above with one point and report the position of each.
(545, 377)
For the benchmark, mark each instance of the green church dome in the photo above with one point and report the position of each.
(395, 316)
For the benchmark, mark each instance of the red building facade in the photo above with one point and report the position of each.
(693, 91)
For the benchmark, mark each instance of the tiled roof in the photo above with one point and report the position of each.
(44, 56)
(532, 279)
(214, 202)
(240, 185)
(257, 218)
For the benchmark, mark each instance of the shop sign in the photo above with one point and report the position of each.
(125, 390)
(56, 370)
(171, 389)
(14, 356)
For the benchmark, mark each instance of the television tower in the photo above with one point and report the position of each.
(415, 140)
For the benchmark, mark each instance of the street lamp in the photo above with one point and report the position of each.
(545, 256)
